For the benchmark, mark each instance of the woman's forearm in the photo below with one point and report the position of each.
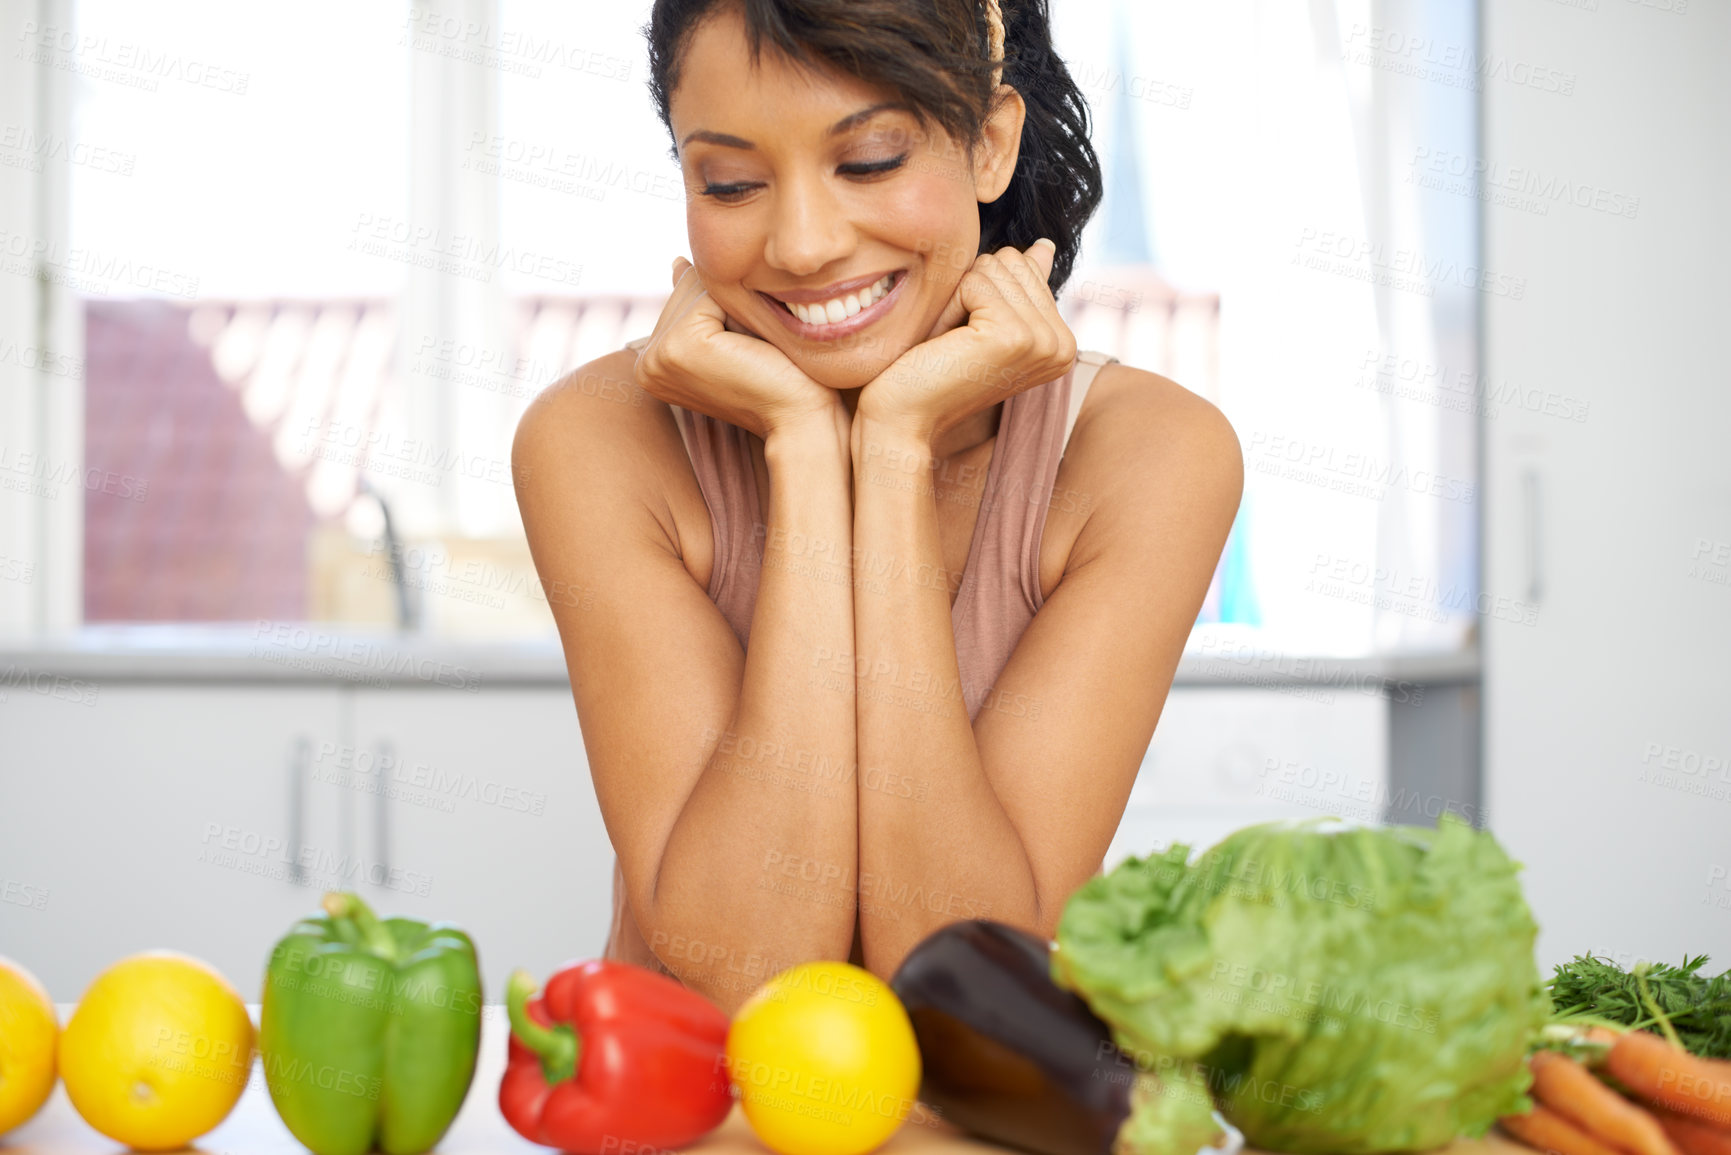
(750, 864)
(935, 844)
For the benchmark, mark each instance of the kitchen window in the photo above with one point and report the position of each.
(269, 371)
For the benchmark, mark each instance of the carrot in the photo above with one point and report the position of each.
(1692, 1136)
(1671, 1077)
(1545, 1130)
(1570, 1090)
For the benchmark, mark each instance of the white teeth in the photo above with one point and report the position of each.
(829, 312)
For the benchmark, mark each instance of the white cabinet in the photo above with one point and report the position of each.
(205, 818)
(155, 816)
(1225, 757)
(487, 818)
(1607, 733)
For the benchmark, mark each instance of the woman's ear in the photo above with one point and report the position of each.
(1000, 144)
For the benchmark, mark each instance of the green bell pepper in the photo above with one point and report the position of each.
(370, 1029)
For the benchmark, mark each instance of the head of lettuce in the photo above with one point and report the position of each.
(1335, 990)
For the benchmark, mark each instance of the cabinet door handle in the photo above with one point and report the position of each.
(384, 754)
(299, 761)
(1534, 542)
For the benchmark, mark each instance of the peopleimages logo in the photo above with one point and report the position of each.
(88, 270)
(515, 50)
(267, 856)
(549, 165)
(1408, 269)
(23, 894)
(1452, 64)
(303, 647)
(36, 146)
(1349, 471)
(23, 471)
(40, 360)
(1415, 378)
(456, 253)
(1515, 184)
(75, 691)
(123, 61)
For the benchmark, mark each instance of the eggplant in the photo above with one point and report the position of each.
(1006, 1053)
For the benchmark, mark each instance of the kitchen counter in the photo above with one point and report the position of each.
(254, 1129)
(332, 654)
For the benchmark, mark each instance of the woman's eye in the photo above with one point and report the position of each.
(871, 168)
(732, 193)
(726, 193)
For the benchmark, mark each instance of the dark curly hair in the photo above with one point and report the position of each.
(933, 53)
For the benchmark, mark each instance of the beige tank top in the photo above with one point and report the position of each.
(1000, 589)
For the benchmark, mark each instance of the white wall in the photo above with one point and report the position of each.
(1629, 664)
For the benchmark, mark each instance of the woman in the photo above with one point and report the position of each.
(820, 712)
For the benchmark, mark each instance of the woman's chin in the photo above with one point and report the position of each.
(840, 382)
(851, 364)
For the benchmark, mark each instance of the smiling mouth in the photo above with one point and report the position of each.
(844, 306)
(845, 312)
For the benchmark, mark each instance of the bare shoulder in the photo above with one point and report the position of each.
(1149, 455)
(594, 433)
(597, 405)
(1152, 418)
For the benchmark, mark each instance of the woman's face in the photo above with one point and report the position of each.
(804, 190)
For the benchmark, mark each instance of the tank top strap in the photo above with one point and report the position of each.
(681, 417)
(1032, 466)
(1000, 591)
(1088, 366)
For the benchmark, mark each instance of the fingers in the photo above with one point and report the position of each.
(967, 298)
(1030, 271)
(954, 313)
(689, 296)
(1038, 260)
(1013, 280)
(1042, 253)
(686, 287)
(733, 325)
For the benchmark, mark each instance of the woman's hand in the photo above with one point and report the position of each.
(701, 359)
(1012, 339)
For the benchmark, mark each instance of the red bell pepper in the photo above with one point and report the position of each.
(611, 1055)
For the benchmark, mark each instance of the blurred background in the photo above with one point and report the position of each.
(275, 291)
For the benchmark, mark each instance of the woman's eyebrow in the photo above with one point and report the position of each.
(852, 120)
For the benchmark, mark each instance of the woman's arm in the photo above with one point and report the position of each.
(1020, 807)
(715, 770)
(947, 849)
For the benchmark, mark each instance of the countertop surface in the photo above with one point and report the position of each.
(334, 654)
(254, 1129)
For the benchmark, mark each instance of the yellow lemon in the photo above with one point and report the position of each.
(157, 1051)
(28, 1030)
(825, 1060)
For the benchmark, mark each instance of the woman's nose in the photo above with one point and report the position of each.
(810, 229)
